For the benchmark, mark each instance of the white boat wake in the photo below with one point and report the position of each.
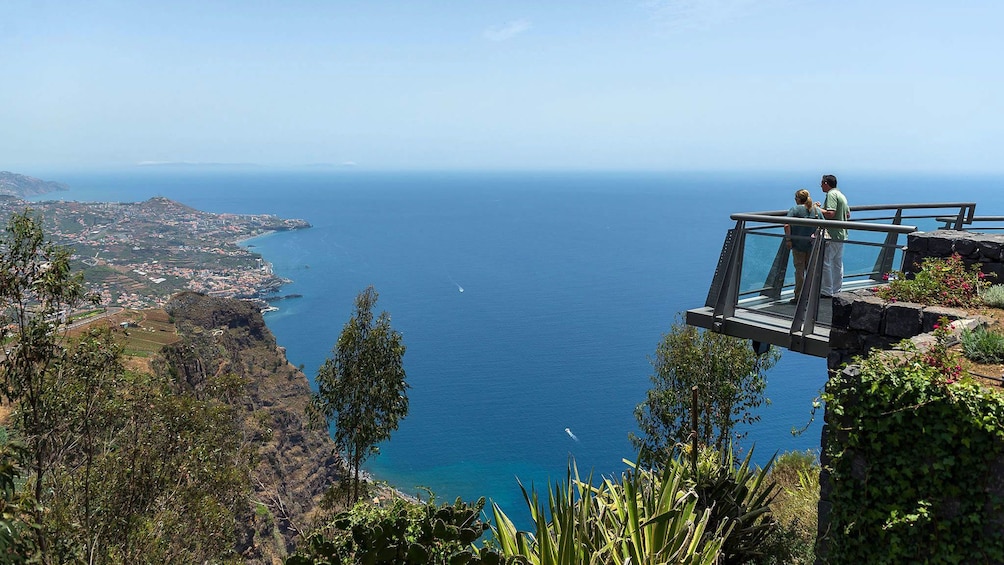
(570, 434)
(460, 288)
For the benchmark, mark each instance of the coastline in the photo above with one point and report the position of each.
(383, 490)
(243, 242)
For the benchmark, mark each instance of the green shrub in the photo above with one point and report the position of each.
(994, 296)
(983, 346)
(795, 507)
(401, 532)
(940, 281)
(790, 465)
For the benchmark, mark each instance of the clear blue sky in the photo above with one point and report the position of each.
(639, 84)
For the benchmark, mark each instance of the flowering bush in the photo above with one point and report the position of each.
(945, 282)
(940, 357)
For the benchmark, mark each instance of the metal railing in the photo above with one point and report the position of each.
(983, 221)
(753, 266)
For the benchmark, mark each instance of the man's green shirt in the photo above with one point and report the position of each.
(835, 200)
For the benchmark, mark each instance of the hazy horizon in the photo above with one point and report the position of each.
(653, 85)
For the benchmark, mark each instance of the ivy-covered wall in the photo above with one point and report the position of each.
(913, 465)
(916, 468)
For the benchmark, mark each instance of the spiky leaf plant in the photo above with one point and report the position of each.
(644, 517)
(738, 495)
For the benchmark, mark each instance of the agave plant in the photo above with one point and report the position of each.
(738, 495)
(653, 516)
(645, 517)
(564, 529)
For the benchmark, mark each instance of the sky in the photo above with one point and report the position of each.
(504, 85)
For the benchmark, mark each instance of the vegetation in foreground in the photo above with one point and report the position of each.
(692, 511)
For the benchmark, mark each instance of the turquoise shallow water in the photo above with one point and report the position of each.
(569, 280)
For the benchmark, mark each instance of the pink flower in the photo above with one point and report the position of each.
(936, 326)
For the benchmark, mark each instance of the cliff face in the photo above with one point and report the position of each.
(14, 184)
(297, 464)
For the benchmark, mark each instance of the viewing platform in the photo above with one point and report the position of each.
(752, 292)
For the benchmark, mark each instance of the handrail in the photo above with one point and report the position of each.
(873, 207)
(894, 228)
(970, 220)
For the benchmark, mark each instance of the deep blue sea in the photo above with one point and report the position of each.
(569, 280)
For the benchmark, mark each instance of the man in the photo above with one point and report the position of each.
(834, 208)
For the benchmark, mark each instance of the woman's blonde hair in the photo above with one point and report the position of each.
(801, 196)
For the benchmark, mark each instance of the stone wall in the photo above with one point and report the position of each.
(986, 249)
(862, 322)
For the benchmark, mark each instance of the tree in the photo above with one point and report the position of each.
(729, 377)
(362, 388)
(105, 465)
(37, 290)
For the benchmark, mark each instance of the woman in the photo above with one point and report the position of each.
(799, 238)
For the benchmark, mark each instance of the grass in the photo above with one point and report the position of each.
(148, 331)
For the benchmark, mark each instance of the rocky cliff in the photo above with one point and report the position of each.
(297, 463)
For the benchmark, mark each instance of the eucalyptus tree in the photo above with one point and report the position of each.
(37, 290)
(730, 380)
(361, 387)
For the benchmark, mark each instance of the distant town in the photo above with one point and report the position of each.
(137, 255)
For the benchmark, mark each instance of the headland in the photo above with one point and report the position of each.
(139, 254)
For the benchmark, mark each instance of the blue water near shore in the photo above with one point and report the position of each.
(568, 281)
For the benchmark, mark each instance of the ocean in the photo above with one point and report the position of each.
(529, 302)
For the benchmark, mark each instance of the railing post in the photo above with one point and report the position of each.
(728, 294)
(883, 264)
(804, 321)
(721, 269)
(964, 218)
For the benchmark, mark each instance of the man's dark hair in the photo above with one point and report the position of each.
(830, 180)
